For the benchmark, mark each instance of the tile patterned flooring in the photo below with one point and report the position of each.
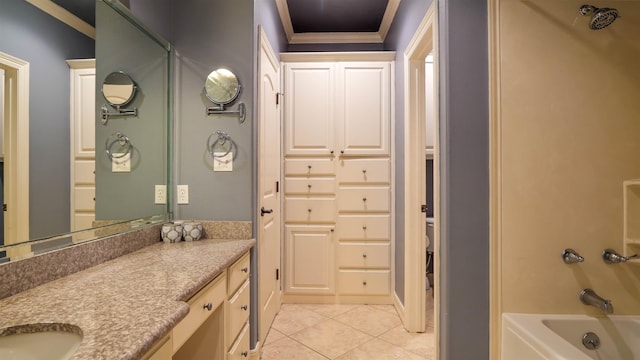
(346, 332)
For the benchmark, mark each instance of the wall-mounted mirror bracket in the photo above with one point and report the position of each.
(219, 109)
(105, 114)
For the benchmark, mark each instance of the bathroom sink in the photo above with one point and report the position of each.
(39, 342)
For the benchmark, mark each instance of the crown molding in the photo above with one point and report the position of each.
(65, 16)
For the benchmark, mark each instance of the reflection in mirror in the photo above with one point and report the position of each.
(53, 191)
(118, 89)
(222, 86)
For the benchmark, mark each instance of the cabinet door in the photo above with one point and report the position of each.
(309, 109)
(363, 108)
(310, 253)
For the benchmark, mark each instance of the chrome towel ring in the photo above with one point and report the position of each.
(124, 144)
(223, 141)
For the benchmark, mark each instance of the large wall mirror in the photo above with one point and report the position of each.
(73, 198)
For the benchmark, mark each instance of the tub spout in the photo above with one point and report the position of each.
(589, 297)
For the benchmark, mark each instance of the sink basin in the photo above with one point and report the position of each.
(39, 342)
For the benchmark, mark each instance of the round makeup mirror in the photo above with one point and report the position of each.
(222, 86)
(118, 89)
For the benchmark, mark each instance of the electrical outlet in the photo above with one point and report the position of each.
(161, 194)
(183, 194)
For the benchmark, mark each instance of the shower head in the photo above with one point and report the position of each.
(601, 18)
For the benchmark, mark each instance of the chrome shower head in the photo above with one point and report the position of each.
(601, 18)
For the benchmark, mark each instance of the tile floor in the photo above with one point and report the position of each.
(346, 332)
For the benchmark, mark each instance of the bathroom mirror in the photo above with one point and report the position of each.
(118, 89)
(222, 86)
(122, 201)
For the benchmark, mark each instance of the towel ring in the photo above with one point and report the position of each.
(222, 139)
(122, 140)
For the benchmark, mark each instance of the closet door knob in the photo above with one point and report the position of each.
(244, 307)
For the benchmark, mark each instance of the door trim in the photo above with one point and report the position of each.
(16, 148)
(423, 42)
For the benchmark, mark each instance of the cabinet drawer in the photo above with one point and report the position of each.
(363, 199)
(309, 210)
(307, 186)
(238, 311)
(240, 349)
(366, 171)
(309, 167)
(369, 282)
(371, 227)
(362, 255)
(201, 306)
(238, 273)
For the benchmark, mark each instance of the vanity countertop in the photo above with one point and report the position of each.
(125, 305)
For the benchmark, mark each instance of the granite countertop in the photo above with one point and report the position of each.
(125, 305)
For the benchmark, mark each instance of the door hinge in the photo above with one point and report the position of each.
(277, 186)
(277, 274)
(4, 207)
(423, 208)
(277, 98)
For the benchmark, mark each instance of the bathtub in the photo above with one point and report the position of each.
(551, 337)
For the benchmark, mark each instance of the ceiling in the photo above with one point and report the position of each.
(307, 21)
(336, 21)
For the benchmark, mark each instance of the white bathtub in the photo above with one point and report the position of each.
(555, 337)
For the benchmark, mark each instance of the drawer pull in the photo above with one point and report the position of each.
(364, 171)
(364, 199)
(208, 306)
(364, 227)
(331, 152)
(245, 269)
(244, 307)
(244, 353)
(364, 256)
(309, 166)
(364, 283)
(309, 210)
(309, 186)
(341, 151)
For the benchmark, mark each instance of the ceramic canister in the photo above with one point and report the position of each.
(171, 232)
(192, 231)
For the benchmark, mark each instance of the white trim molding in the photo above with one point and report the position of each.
(338, 56)
(376, 37)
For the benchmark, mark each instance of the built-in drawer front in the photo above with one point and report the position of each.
(366, 282)
(364, 171)
(304, 210)
(364, 255)
(238, 311)
(358, 227)
(363, 199)
(201, 306)
(238, 273)
(309, 186)
(309, 167)
(240, 349)
(85, 198)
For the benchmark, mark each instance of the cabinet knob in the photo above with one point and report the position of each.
(245, 354)
(341, 151)
(208, 306)
(309, 166)
(309, 186)
(364, 283)
(364, 256)
(364, 199)
(331, 152)
(245, 269)
(332, 230)
(364, 227)
(309, 210)
(364, 171)
(244, 307)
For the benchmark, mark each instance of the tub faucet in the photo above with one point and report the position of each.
(589, 297)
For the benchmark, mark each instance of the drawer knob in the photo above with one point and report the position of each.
(341, 151)
(364, 227)
(244, 307)
(364, 199)
(364, 256)
(245, 269)
(364, 283)
(245, 354)
(364, 171)
(331, 152)
(309, 186)
(309, 210)
(309, 166)
(208, 306)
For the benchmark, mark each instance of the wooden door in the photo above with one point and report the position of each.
(269, 236)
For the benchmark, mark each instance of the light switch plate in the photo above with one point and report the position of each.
(223, 162)
(121, 162)
(183, 194)
(161, 194)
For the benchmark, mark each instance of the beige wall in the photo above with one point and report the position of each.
(569, 136)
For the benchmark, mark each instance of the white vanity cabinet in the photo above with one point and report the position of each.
(337, 176)
(237, 308)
